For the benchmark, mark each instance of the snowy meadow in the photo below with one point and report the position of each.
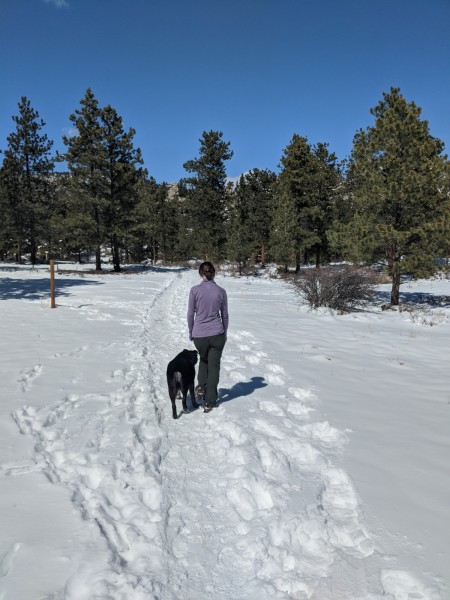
(323, 473)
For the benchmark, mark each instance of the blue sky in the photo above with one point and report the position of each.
(257, 70)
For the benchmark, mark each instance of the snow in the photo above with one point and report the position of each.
(322, 474)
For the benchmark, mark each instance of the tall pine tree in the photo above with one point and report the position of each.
(309, 183)
(252, 209)
(397, 182)
(155, 228)
(205, 202)
(86, 159)
(105, 169)
(284, 228)
(123, 173)
(26, 180)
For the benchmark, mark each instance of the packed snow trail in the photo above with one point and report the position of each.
(245, 502)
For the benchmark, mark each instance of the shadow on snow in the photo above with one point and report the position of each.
(418, 298)
(243, 388)
(37, 289)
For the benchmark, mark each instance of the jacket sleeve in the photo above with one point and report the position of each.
(224, 312)
(190, 313)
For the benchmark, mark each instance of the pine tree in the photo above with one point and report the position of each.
(155, 222)
(239, 248)
(105, 169)
(396, 179)
(122, 174)
(26, 180)
(253, 205)
(6, 224)
(311, 177)
(86, 159)
(205, 202)
(72, 227)
(284, 228)
(328, 190)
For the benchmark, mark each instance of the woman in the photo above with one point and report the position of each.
(208, 323)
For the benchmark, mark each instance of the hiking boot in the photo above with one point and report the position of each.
(200, 392)
(207, 407)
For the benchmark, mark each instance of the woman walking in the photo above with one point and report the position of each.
(208, 323)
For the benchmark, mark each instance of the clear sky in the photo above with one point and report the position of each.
(257, 70)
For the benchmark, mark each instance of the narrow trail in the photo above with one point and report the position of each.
(244, 502)
(236, 526)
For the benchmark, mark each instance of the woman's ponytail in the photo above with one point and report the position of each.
(207, 270)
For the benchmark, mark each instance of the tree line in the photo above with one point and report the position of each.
(388, 201)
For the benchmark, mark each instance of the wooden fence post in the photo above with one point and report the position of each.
(52, 284)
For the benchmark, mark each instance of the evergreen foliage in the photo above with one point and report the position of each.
(283, 235)
(26, 182)
(206, 198)
(309, 184)
(155, 230)
(86, 158)
(122, 172)
(250, 216)
(105, 170)
(399, 191)
(392, 202)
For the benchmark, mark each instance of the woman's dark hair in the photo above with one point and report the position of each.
(207, 269)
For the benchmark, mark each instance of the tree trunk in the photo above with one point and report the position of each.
(115, 253)
(394, 273)
(395, 291)
(98, 260)
(33, 244)
(33, 252)
(297, 261)
(317, 256)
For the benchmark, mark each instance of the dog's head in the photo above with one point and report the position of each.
(191, 356)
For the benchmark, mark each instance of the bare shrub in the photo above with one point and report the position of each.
(340, 288)
(428, 316)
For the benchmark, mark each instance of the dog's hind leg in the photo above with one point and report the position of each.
(184, 391)
(173, 389)
(192, 395)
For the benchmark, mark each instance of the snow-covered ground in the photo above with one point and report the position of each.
(323, 474)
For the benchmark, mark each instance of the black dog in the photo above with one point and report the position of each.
(180, 377)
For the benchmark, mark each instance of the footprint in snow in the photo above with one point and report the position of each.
(242, 502)
(299, 410)
(305, 395)
(27, 376)
(323, 434)
(274, 379)
(339, 501)
(271, 408)
(306, 457)
(275, 464)
(252, 359)
(6, 560)
(402, 584)
(268, 429)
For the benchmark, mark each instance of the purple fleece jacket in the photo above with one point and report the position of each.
(208, 303)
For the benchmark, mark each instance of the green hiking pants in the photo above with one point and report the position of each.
(210, 351)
